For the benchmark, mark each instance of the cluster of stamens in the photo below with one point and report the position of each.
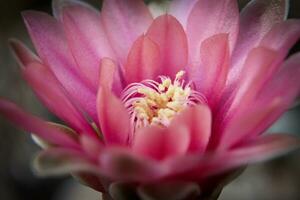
(154, 103)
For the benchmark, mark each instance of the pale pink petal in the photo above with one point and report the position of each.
(122, 164)
(209, 18)
(257, 19)
(169, 34)
(181, 9)
(113, 118)
(50, 42)
(161, 143)
(124, 21)
(51, 93)
(110, 76)
(23, 55)
(91, 146)
(198, 121)
(282, 36)
(87, 39)
(49, 132)
(144, 61)
(211, 77)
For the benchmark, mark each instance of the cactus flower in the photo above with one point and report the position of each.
(166, 107)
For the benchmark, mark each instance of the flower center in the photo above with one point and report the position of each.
(156, 103)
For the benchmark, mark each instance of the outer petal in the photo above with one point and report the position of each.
(144, 61)
(209, 18)
(23, 55)
(181, 9)
(282, 36)
(210, 78)
(257, 19)
(113, 118)
(50, 43)
(198, 121)
(87, 39)
(122, 164)
(161, 143)
(168, 33)
(124, 21)
(49, 90)
(49, 132)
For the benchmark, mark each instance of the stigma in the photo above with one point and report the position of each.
(158, 102)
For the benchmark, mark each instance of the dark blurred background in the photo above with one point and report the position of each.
(274, 180)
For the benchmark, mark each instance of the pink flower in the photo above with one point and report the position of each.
(179, 101)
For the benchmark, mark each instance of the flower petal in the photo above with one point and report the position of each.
(49, 132)
(257, 19)
(113, 118)
(87, 39)
(124, 21)
(210, 78)
(50, 42)
(51, 93)
(161, 143)
(169, 34)
(198, 121)
(144, 61)
(122, 164)
(23, 55)
(181, 9)
(209, 18)
(61, 161)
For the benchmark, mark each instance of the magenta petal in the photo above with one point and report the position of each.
(23, 55)
(50, 42)
(121, 164)
(181, 9)
(124, 21)
(49, 132)
(209, 18)
(161, 143)
(169, 34)
(87, 39)
(198, 121)
(257, 19)
(51, 93)
(92, 147)
(113, 118)
(144, 61)
(212, 75)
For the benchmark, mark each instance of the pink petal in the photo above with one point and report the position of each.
(144, 61)
(109, 76)
(91, 146)
(51, 93)
(124, 21)
(209, 18)
(282, 36)
(181, 9)
(259, 66)
(257, 19)
(161, 143)
(198, 121)
(23, 55)
(121, 164)
(169, 34)
(212, 74)
(50, 42)
(246, 121)
(113, 118)
(87, 39)
(49, 132)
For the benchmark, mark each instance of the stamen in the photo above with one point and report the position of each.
(156, 103)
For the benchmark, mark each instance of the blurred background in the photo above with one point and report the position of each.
(274, 180)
